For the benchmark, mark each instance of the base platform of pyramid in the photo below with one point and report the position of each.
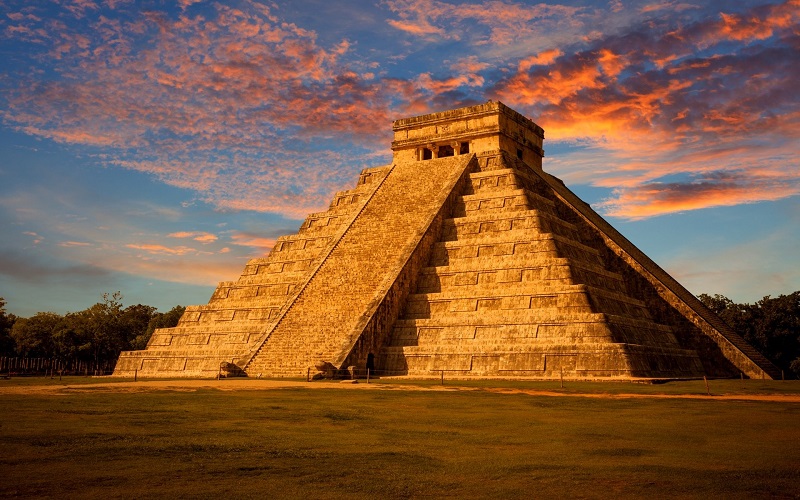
(463, 257)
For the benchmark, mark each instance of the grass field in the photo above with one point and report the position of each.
(330, 442)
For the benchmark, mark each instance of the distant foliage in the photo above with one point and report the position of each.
(771, 325)
(7, 345)
(100, 332)
(97, 334)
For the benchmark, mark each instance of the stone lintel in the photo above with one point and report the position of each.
(486, 109)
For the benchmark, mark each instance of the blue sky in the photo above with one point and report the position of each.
(154, 147)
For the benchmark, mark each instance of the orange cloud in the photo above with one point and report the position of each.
(201, 236)
(236, 104)
(655, 107)
(161, 249)
(554, 85)
(36, 237)
(653, 199)
(544, 58)
(753, 26)
(415, 27)
(252, 240)
(427, 83)
(207, 89)
(469, 65)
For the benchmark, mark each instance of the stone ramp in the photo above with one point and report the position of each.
(367, 274)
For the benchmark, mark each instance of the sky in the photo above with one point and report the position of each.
(153, 147)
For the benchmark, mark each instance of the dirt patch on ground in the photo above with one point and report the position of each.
(243, 384)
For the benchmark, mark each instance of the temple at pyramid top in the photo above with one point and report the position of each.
(486, 127)
(462, 257)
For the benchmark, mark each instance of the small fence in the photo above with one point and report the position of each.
(44, 367)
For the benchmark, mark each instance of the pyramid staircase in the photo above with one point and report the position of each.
(361, 283)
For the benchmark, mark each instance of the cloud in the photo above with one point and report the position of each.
(253, 240)
(201, 236)
(36, 237)
(723, 188)
(504, 22)
(545, 58)
(416, 27)
(34, 269)
(162, 249)
(78, 8)
(673, 6)
(216, 103)
(702, 99)
(187, 3)
(252, 112)
(67, 244)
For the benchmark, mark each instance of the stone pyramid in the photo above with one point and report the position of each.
(461, 257)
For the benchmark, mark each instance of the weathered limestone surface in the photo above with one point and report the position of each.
(464, 257)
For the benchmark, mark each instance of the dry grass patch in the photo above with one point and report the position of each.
(331, 443)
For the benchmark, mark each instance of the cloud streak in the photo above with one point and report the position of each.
(668, 101)
(201, 236)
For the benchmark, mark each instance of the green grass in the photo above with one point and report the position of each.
(334, 443)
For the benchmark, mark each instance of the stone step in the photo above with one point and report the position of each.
(272, 279)
(516, 242)
(491, 222)
(501, 329)
(515, 293)
(533, 267)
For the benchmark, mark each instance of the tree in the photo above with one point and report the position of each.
(776, 328)
(69, 338)
(168, 319)
(98, 333)
(737, 316)
(102, 326)
(7, 344)
(34, 336)
(771, 325)
(134, 322)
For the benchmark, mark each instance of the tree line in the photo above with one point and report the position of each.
(771, 325)
(95, 335)
(98, 334)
